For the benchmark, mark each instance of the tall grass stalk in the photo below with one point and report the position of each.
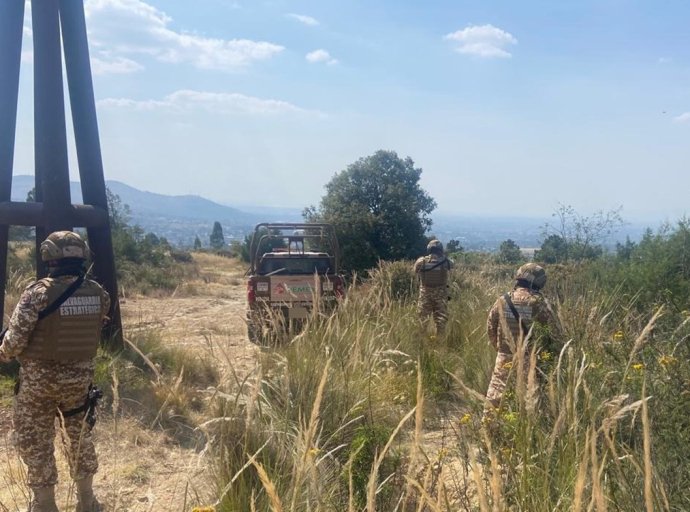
(574, 432)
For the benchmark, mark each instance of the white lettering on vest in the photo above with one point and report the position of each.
(90, 305)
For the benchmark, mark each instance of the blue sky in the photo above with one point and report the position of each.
(510, 108)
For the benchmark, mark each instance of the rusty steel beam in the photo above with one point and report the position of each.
(11, 29)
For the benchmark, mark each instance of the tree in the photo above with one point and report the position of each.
(553, 250)
(131, 244)
(120, 214)
(657, 268)
(378, 209)
(509, 252)
(217, 240)
(454, 246)
(577, 237)
(625, 251)
(197, 243)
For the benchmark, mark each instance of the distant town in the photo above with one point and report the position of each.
(181, 219)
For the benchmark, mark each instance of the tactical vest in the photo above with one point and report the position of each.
(434, 273)
(525, 311)
(72, 332)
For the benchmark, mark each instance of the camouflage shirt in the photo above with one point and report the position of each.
(502, 326)
(33, 300)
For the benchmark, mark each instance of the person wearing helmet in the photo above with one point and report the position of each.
(517, 321)
(54, 333)
(433, 270)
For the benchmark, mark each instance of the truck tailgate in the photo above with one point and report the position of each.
(294, 288)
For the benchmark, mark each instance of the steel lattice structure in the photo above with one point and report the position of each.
(59, 27)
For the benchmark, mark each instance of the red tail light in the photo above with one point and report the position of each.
(251, 293)
(338, 287)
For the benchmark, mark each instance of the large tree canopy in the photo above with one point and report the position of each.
(378, 209)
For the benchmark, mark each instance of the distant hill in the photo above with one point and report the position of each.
(149, 203)
(182, 218)
(178, 218)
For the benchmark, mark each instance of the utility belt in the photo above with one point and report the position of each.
(89, 407)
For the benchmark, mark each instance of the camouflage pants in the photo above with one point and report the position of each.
(433, 302)
(499, 381)
(43, 389)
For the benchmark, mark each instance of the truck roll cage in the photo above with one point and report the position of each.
(294, 242)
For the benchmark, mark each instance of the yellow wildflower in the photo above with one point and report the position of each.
(667, 360)
(466, 418)
(203, 509)
(508, 365)
(313, 452)
(545, 356)
(638, 366)
(510, 417)
(432, 338)
(618, 336)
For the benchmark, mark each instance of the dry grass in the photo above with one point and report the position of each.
(324, 422)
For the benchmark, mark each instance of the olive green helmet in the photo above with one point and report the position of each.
(533, 274)
(63, 244)
(434, 246)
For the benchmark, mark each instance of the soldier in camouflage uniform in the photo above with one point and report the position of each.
(433, 272)
(56, 355)
(509, 322)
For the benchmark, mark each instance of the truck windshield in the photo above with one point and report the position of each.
(291, 266)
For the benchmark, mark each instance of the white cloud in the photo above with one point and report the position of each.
(485, 41)
(320, 56)
(683, 118)
(307, 20)
(189, 100)
(114, 66)
(128, 28)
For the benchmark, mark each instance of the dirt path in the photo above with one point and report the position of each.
(141, 469)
